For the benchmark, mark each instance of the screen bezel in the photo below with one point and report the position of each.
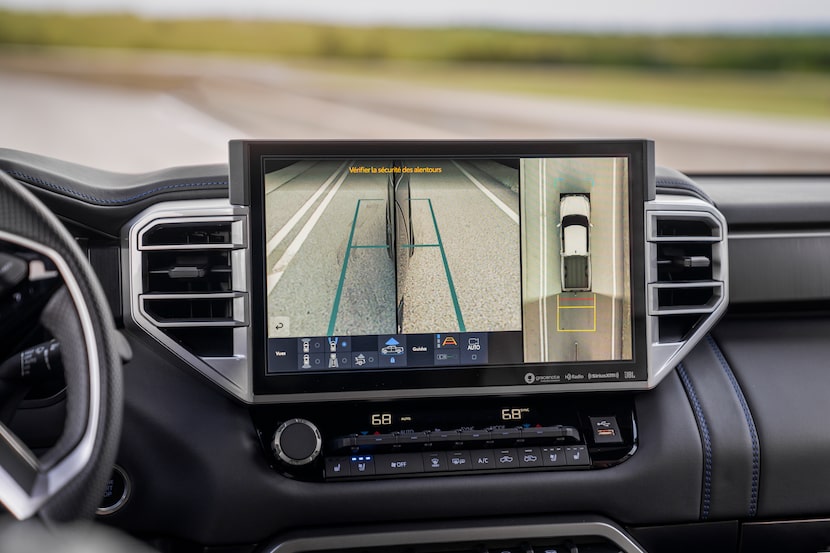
(247, 189)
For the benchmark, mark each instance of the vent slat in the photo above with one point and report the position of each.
(686, 290)
(188, 290)
(184, 234)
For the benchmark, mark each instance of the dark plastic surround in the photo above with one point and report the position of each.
(105, 200)
(247, 189)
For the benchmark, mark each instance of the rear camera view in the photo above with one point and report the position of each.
(576, 270)
(357, 247)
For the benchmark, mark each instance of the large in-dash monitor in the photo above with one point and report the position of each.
(434, 268)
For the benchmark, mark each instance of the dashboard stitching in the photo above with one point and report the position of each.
(753, 434)
(669, 183)
(80, 195)
(706, 501)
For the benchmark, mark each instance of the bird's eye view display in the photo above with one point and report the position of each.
(419, 262)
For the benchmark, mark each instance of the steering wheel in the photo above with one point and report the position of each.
(67, 482)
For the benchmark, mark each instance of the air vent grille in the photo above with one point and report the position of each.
(189, 283)
(218, 233)
(687, 283)
(192, 271)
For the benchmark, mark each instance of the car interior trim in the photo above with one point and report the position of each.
(750, 423)
(703, 427)
(231, 373)
(557, 527)
(107, 188)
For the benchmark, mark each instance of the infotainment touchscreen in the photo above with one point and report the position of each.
(450, 265)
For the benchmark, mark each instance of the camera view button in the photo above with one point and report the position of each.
(473, 348)
(364, 359)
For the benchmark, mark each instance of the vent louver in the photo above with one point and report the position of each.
(687, 274)
(190, 290)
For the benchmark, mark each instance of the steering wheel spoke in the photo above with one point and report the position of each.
(66, 481)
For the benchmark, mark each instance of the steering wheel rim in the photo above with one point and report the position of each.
(67, 483)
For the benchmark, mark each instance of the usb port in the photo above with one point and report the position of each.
(606, 432)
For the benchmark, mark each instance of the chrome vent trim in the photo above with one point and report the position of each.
(162, 313)
(708, 232)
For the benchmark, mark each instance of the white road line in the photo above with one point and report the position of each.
(543, 256)
(500, 204)
(293, 248)
(292, 222)
(614, 257)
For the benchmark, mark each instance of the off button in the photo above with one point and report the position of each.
(401, 463)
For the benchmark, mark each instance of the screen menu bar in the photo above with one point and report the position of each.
(389, 351)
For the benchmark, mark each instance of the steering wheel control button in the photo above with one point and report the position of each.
(297, 442)
(605, 430)
(362, 465)
(399, 463)
(12, 271)
(553, 456)
(577, 456)
(116, 493)
(337, 467)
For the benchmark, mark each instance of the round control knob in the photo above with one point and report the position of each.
(297, 442)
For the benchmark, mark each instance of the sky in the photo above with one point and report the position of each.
(633, 15)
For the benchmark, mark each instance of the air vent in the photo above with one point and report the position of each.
(191, 290)
(687, 273)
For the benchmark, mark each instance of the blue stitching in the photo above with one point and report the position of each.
(753, 432)
(83, 196)
(707, 442)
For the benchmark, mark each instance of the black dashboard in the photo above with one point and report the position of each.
(716, 443)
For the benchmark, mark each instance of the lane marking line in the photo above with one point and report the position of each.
(336, 305)
(500, 204)
(292, 222)
(458, 316)
(293, 248)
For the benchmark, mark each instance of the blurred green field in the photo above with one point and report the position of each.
(782, 75)
(791, 94)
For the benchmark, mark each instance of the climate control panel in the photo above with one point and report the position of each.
(445, 437)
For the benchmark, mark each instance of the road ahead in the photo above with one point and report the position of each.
(138, 112)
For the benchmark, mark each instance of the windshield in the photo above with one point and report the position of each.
(137, 85)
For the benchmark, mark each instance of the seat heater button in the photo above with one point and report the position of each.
(577, 456)
(337, 467)
(362, 465)
(553, 456)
